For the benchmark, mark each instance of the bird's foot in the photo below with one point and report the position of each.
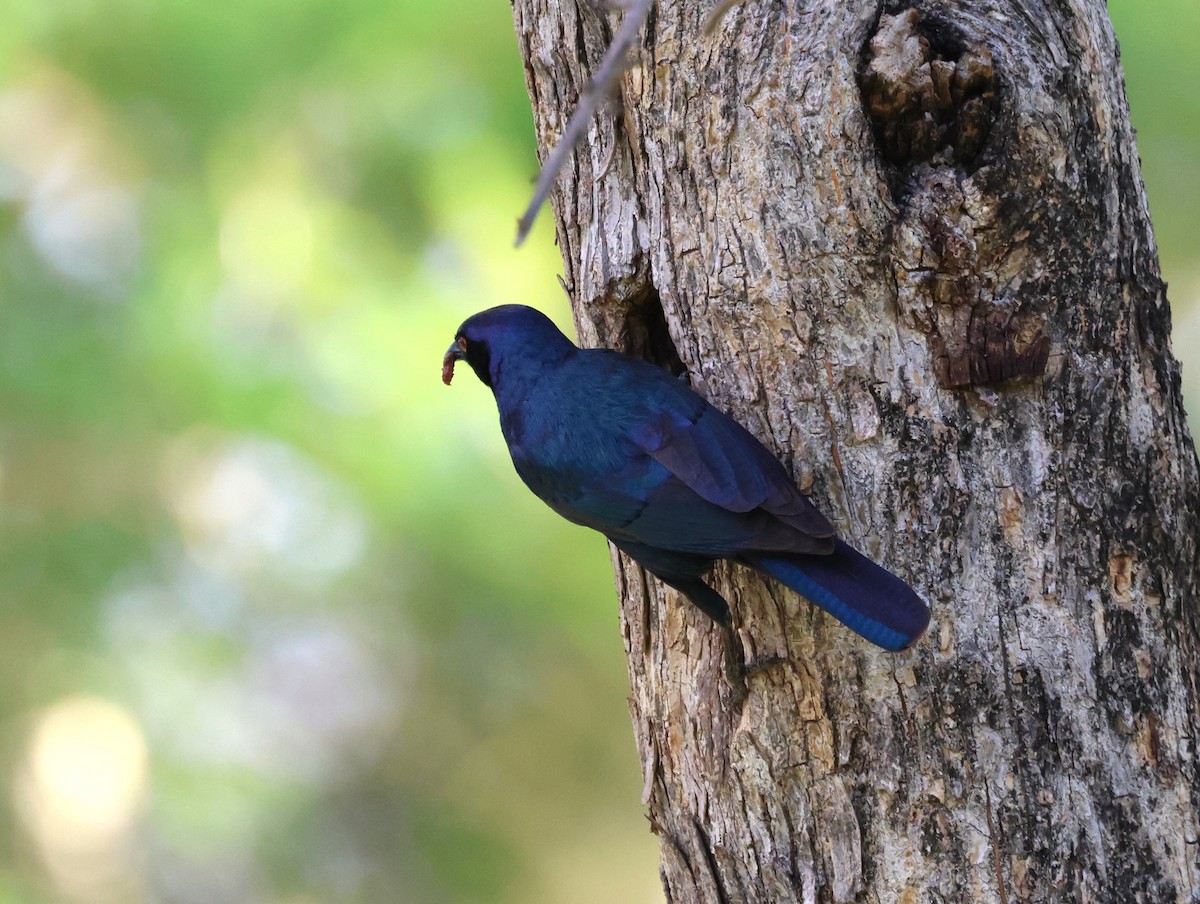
(758, 666)
(735, 664)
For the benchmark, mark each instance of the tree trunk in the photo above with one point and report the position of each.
(912, 254)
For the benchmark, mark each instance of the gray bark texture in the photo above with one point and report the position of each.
(909, 249)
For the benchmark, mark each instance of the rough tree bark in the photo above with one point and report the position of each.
(910, 250)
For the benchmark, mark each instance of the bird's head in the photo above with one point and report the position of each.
(503, 338)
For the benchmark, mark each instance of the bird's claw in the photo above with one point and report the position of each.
(761, 665)
(735, 664)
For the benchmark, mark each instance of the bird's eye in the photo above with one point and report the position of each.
(462, 342)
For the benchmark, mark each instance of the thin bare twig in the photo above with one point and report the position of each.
(593, 94)
(717, 14)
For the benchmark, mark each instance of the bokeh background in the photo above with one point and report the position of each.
(278, 623)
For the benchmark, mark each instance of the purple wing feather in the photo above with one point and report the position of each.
(724, 464)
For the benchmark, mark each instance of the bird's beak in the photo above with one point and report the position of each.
(454, 353)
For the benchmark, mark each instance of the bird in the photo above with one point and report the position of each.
(617, 444)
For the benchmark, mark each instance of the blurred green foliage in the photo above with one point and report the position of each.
(279, 622)
(239, 507)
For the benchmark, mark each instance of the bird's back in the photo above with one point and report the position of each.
(579, 433)
(571, 431)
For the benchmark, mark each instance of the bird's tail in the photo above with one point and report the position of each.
(866, 598)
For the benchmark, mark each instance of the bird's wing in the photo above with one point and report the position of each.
(724, 464)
